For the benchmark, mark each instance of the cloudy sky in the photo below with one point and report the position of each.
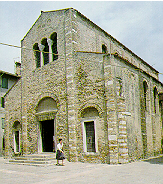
(138, 25)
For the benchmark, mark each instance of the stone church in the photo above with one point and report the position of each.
(80, 84)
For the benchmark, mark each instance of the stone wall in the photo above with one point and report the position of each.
(13, 111)
(86, 85)
(90, 37)
(89, 90)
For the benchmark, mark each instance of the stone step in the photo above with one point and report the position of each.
(37, 156)
(31, 161)
(35, 159)
(32, 164)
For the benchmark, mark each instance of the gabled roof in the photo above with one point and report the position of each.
(40, 16)
(107, 34)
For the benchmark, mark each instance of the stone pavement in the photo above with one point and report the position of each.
(144, 172)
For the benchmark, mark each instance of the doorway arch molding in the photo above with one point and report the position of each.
(90, 105)
(47, 106)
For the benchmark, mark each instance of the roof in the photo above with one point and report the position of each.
(106, 34)
(116, 41)
(9, 74)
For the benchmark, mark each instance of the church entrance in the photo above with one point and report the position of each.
(46, 111)
(47, 134)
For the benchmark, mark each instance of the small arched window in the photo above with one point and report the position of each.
(45, 51)
(104, 49)
(145, 87)
(53, 37)
(36, 54)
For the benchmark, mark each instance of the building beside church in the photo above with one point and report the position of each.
(80, 84)
(7, 80)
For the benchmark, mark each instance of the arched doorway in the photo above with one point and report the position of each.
(45, 112)
(89, 116)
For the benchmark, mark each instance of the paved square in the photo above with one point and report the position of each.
(143, 172)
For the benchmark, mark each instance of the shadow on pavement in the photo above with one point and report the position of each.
(158, 160)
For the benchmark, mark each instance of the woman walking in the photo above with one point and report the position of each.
(60, 154)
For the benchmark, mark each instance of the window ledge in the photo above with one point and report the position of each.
(16, 153)
(91, 153)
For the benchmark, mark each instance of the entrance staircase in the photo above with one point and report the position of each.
(41, 159)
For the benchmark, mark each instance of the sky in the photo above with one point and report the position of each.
(136, 24)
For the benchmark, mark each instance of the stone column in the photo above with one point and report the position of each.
(41, 47)
(50, 43)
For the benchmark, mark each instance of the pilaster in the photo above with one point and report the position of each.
(117, 133)
(111, 111)
(70, 87)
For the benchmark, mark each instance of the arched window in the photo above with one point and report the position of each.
(53, 37)
(145, 87)
(155, 93)
(45, 51)
(37, 54)
(104, 49)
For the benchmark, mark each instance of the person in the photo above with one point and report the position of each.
(60, 154)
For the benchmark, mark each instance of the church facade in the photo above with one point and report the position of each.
(80, 84)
